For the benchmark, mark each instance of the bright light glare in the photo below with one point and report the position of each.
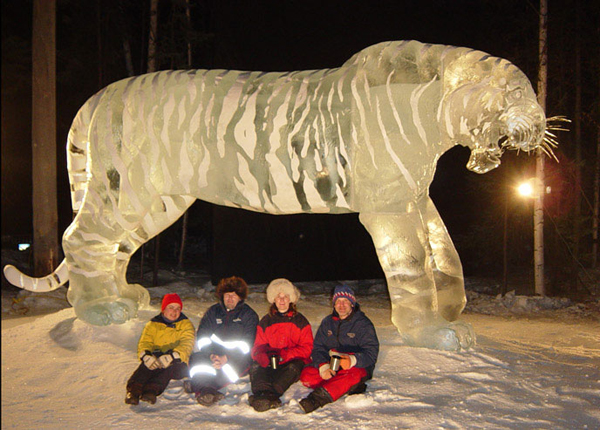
(24, 246)
(525, 189)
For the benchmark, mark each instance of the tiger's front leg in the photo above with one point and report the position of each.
(447, 268)
(403, 246)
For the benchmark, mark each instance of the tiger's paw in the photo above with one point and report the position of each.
(106, 311)
(455, 336)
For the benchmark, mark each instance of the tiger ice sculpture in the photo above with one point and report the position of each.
(364, 137)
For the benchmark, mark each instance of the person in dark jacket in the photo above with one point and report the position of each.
(164, 349)
(349, 336)
(283, 344)
(224, 339)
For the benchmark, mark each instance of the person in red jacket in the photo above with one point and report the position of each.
(283, 344)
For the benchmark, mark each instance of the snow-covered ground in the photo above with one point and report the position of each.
(536, 365)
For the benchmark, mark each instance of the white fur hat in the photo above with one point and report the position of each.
(284, 286)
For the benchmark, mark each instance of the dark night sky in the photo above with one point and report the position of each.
(277, 36)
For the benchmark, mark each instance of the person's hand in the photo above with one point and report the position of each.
(263, 359)
(326, 372)
(166, 360)
(151, 362)
(218, 361)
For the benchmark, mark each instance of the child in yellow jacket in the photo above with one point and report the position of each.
(164, 349)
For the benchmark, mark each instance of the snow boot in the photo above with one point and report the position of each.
(264, 401)
(208, 396)
(315, 400)
(134, 391)
(132, 398)
(359, 388)
(187, 385)
(149, 397)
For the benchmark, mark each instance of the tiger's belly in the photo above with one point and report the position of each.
(272, 185)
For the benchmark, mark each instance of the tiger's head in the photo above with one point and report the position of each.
(490, 106)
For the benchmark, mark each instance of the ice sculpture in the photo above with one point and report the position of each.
(364, 137)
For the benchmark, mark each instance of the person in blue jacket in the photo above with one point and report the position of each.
(224, 339)
(349, 335)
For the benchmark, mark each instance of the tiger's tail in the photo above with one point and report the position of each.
(77, 165)
(40, 285)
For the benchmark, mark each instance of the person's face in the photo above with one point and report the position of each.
(172, 311)
(231, 300)
(343, 307)
(282, 301)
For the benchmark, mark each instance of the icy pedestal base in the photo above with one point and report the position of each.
(455, 336)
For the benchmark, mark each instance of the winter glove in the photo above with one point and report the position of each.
(325, 371)
(150, 361)
(263, 359)
(347, 362)
(166, 360)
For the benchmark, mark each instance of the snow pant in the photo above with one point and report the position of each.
(267, 379)
(155, 381)
(343, 382)
(203, 374)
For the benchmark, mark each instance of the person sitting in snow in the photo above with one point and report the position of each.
(224, 338)
(283, 344)
(164, 348)
(350, 335)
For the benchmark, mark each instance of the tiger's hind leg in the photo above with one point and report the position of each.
(98, 247)
(95, 290)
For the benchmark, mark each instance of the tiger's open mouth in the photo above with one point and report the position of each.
(482, 160)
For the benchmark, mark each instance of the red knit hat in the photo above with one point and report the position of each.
(170, 298)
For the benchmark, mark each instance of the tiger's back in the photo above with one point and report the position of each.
(224, 137)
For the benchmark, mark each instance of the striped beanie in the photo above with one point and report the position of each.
(345, 292)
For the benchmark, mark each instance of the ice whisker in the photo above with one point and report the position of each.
(558, 127)
(551, 141)
(548, 149)
(558, 118)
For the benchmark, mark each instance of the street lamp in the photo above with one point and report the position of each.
(534, 189)
(524, 189)
(527, 189)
